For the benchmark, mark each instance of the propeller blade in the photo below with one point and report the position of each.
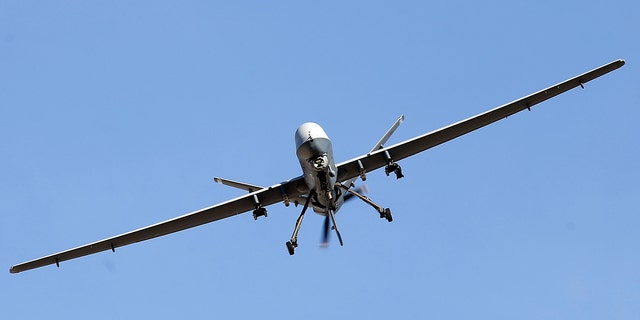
(325, 233)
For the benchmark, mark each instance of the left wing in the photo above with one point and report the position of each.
(374, 160)
(266, 196)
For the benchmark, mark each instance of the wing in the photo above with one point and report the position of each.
(374, 160)
(266, 196)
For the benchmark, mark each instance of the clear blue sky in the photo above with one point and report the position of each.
(115, 115)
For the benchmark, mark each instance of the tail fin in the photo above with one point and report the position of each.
(387, 135)
(379, 145)
(239, 185)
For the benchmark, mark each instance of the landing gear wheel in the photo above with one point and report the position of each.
(291, 248)
(387, 214)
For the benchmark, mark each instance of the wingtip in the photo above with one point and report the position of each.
(617, 63)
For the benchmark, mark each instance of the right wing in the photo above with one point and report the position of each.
(374, 160)
(280, 192)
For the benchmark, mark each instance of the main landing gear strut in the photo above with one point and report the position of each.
(293, 243)
(384, 212)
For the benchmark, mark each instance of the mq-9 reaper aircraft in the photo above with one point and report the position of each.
(324, 184)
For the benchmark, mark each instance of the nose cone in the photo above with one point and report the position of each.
(309, 131)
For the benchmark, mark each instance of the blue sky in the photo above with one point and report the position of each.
(116, 115)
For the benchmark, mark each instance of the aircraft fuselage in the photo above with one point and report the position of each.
(315, 154)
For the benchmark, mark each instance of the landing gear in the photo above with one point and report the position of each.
(384, 212)
(293, 243)
(387, 215)
(335, 226)
(291, 247)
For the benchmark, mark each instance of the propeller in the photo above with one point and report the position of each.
(325, 232)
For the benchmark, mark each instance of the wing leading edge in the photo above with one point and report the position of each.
(267, 196)
(375, 160)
